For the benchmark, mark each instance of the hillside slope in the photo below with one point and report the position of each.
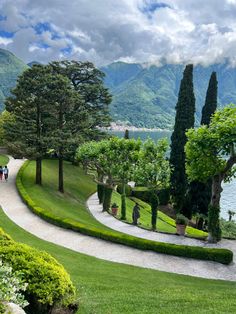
(10, 68)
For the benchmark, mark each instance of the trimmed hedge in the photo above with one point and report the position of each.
(223, 256)
(49, 285)
(144, 194)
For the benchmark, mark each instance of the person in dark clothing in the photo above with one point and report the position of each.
(1, 172)
(136, 214)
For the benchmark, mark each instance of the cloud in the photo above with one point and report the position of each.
(103, 31)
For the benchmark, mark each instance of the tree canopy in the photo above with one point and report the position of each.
(211, 153)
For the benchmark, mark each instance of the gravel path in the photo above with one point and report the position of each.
(23, 217)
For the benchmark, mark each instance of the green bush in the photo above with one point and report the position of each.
(223, 256)
(164, 196)
(228, 229)
(49, 285)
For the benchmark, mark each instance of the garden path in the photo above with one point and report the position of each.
(18, 212)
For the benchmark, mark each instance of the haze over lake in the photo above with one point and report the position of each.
(228, 196)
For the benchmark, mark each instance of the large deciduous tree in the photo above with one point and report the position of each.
(211, 153)
(184, 120)
(153, 171)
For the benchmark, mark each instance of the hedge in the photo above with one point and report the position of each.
(223, 256)
(144, 194)
(49, 285)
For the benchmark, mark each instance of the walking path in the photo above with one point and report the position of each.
(18, 212)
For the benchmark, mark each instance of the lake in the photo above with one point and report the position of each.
(228, 196)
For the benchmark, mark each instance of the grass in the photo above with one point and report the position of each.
(4, 160)
(164, 222)
(71, 204)
(112, 288)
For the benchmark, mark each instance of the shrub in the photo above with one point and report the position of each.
(49, 285)
(164, 196)
(223, 256)
(181, 220)
(228, 229)
(11, 287)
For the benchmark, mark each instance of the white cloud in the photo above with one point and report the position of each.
(103, 31)
(5, 41)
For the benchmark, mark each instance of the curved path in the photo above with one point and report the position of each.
(18, 212)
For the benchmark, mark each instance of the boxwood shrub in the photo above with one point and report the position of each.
(223, 256)
(49, 285)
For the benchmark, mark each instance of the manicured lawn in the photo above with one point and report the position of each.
(78, 187)
(111, 288)
(164, 222)
(3, 160)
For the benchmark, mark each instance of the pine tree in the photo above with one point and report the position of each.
(200, 193)
(126, 136)
(184, 120)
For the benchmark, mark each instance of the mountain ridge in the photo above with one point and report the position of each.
(144, 95)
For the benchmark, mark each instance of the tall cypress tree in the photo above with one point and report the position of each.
(184, 120)
(200, 193)
(211, 100)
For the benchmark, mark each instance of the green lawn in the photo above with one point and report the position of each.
(164, 222)
(111, 288)
(3, 160)
(78, 187)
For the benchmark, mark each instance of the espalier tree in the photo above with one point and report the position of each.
(211, 153)
(184, 120)
(153, 171)
(200, 193)
(111, 162)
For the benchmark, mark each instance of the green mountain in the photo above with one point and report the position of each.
(145, 96)
(10, 68)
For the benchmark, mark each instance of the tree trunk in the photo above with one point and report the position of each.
(107, 198)
(60, 171)
(214, 210)
(123, 202)
(38, 175)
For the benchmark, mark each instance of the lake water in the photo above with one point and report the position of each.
(228, 196)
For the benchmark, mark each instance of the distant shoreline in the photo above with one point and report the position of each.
(123, 128)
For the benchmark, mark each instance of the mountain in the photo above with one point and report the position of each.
(10, 68)
(145, 96)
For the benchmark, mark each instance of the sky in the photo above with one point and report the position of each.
(104, 31)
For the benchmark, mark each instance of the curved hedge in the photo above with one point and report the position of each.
(49, 285)
(223, 256)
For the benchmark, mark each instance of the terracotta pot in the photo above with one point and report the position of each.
(114, 210)
(180, 229)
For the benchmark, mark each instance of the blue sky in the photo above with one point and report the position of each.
(104, 31)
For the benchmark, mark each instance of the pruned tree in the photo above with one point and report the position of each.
(153, 171)
(211, 153)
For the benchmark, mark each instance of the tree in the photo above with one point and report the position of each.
(210, 153)
(126, 135)
(153, 171)
(184, 120)
(5, 117)
(29, 105)
(200, 193)
(111, 162)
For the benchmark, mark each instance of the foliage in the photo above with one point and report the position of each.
(181, 219)
(4, 117)
(48, 282)
(218, 255)
(228, 228)
(210, 153)
(128, 189)
(184, 120)
(11, 287)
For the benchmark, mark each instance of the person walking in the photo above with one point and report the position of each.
(1, 173)
(5, 172)
(136, 214)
